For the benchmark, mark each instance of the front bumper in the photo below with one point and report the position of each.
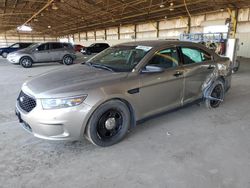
(58, 124)
(13, 59)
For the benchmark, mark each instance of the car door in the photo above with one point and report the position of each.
(97, 48)
(162, 91)
(198, 65)
(56, 51)
(103, 46)
(42, 53)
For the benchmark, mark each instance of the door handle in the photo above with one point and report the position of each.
(211, 67)
(178, 73)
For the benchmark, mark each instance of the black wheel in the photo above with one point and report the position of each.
(26, 62)
(235, 69)
(4, 54)
(215, 94)
(67, 60)
(108, 124)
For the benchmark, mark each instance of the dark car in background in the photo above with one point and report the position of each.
(78, 47)
(14, 47)
(95, 48)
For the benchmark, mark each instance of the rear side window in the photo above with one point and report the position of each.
(104, 45)
(56, 45)
(67, 45)
(193, 55)
(166, 58)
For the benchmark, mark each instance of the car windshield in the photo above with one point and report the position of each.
(119, 58)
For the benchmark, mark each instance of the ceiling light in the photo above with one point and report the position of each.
(35, 20)
(221, 9)
(171, 9)
(171, 4)
(49, 26)
(24, 28)
(165, 17)
(162, 6)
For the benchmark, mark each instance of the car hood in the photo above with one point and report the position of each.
(19, 52)
(70, 81)
(4, 48)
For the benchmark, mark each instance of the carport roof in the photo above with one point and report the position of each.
(62, 17)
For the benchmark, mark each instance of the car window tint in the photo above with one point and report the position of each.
(43, 47)
(166, 58)
(56, 45)
(104, 45)
(65, 45)
(191, 55)
(17, 45)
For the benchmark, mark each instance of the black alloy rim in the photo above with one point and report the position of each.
(216, 93)
(109, 124)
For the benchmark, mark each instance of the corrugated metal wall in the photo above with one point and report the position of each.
(163, 29)
(8, 39)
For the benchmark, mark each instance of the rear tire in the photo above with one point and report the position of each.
(26, 62)
(217, 90)
(88, 52)
(67, 60)
(108, 124)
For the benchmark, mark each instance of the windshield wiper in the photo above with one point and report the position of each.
(96, 65)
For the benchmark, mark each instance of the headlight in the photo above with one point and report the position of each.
(62, 102)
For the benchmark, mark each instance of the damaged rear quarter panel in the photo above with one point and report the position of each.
(222, 70)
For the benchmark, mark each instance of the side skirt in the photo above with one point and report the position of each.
(169, 111)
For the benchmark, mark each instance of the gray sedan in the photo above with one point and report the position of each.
(104, 97)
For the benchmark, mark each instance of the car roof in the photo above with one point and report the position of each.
(155, 43)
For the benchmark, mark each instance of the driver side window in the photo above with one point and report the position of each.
(43, 47)
(166, 58)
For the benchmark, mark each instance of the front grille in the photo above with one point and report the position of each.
(26, 102)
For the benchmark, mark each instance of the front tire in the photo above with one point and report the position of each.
(4, 54)
(26, 62)
(215, 94)
(88, 52)
(108, 124)
(67, 60)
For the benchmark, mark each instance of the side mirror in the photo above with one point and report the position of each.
(152, 69)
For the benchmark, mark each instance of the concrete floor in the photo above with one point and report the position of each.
(190, 148)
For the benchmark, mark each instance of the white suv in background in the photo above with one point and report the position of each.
(42, 53)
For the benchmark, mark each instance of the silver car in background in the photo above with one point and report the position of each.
(42, 53)
(105, 97)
